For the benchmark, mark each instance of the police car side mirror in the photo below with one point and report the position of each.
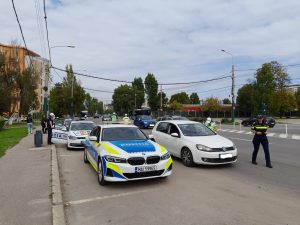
(92, 138)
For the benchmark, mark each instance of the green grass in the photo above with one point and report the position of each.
(11, 137)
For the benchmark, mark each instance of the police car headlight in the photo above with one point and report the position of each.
(203, 148)
(71, 137)
(115, 159)
(165, 156)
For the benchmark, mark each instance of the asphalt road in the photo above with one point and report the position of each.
(238, 194)
(278, 128)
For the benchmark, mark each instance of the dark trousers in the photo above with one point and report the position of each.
(44, 129)
(263, 140)
(49, 136)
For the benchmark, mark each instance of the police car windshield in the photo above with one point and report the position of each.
(196, 129)
(82, 126)
(122, 134)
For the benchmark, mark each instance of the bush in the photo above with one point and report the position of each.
(2, 122)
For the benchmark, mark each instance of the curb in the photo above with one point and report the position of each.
(284, 136)
(58, 214)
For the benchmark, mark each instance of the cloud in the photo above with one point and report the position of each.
(178, 41)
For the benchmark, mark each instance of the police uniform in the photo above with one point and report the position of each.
(260, 137)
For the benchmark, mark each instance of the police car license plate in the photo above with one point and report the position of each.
(141, 169)
(225, 156)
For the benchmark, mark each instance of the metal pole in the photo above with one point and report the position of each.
(161, 98)
(232, 94)
(72, 95)
(134, 98)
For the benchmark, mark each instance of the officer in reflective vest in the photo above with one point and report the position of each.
(259, 128)
(126, 119)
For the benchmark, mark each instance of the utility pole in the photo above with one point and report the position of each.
(161, 108)
(232, 88)
(134, 98)
(72, 97)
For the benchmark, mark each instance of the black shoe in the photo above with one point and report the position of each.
(255, 163)
(269, 166)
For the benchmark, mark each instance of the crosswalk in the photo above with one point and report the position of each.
(285, 136)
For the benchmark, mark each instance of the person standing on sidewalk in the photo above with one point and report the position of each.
(259, 128)
(44, 124)
(29, 123)
(50, 126)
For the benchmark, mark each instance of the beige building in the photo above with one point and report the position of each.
(20, 58)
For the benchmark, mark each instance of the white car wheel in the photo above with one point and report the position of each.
(100, 173)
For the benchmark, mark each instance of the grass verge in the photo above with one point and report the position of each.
(11, 137)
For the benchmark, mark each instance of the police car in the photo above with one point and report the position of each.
(74, 135)
(122, 152)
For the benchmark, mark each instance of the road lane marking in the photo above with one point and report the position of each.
(282, 135)
(241, 139)
(270, 134)
(296, 137)
(77, 202)
(240, 132)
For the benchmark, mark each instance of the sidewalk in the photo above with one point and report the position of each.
(25, 184)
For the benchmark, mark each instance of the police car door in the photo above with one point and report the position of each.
(60, 135)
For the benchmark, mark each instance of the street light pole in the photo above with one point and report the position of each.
(232, 88)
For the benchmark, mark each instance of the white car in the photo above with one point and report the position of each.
(75, 135)
(123, 152)
(193, 142)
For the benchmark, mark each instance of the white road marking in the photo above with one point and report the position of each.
(77, 202)
(282, 135)
(296, 137)
(66, 155)
(240, 132)
(270, 134)
(241, 139)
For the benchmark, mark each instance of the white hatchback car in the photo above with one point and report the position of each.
(193, 142)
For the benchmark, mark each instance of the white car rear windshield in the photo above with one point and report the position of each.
(196, 129)
(122, 133)
(82, 126)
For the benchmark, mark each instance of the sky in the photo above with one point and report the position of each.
(177, 41)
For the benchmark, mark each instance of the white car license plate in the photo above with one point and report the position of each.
(141, 169)
(225, 156)
(151, 125)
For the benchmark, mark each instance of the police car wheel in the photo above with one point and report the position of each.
(100, 174)
(85, 159)
(187, 157)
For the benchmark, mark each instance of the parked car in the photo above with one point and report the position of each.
(73, 137)
(194, 143)
(270, 121)
(144, 121)
(125, 153)
(96, 116)
(172, 118)
(106, 118)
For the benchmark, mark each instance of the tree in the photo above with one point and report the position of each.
(61, 101)
(181, 97)
(264, 90)
(297, 96)
(56, 100)
(123, 99)
(174, 105)
(139, 91)
(244, 99)
(226, 101)
(211, 104)
(194, 98)
(286, 100)
(151, 89)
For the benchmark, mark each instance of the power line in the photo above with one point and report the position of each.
(123, 81)
(90, 89)
(47, 32)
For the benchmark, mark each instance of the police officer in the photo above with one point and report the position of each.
(259, 128)
(50, 126)
(126, 119)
